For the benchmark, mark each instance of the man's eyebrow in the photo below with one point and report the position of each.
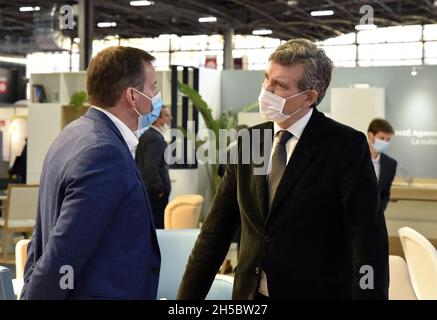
(282, 84)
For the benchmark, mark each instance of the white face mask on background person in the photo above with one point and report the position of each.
(164, 128)
(271, 106)
(380, 146)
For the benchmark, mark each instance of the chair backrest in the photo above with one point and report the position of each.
(421, 259)
(400, 283)
(175, 246)
(6, 288)
(22, 201)
(183, 212)
(221, 288)
(20, 257)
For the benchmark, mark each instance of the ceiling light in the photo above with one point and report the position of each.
(262, 32)
(294, 3)
(435, 3)
(208, 19)
(141, 3)
(414, 71)
(322, 13)
(28, 9)
(106, 24)
(361, 85)
(362, 27)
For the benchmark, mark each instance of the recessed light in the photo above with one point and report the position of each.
(29, 9)
(208, 19)
(106, 24)
(141, 3)
(322, 13)
(362, 27)
(262, 32)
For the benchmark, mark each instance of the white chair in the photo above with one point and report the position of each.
(176, 247)
(20, 213)
(400, 283)
(421, 259)
(221, 288)
(183, 212)
(20, 262)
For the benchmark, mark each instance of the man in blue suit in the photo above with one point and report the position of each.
(94, 236)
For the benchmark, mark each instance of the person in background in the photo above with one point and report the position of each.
(94, 236)
(153, 167)
(379, 134)
(19, 168)
(309, 222)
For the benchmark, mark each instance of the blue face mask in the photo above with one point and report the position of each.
(380, 146)
(146, 120)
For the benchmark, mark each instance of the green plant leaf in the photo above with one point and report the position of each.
(77, 100)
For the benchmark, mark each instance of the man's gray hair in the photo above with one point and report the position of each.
(318, 67)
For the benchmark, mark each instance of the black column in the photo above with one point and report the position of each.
(86, 31)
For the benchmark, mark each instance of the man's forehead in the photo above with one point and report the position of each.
(285, 72)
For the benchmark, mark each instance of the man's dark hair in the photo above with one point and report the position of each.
(113, 70)
(380, 125)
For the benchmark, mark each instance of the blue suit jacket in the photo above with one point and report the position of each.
(93, 215)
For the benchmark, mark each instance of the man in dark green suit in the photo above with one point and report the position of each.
(310, 228)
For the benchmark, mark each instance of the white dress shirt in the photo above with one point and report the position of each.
(377, 165)
(127, 134)
(296, 130)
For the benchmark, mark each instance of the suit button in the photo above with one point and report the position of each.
(267, 239)
(257, 270)
(155, 269)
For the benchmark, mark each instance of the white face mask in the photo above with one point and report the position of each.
(271, 106)
(165, 128)
(380, 146)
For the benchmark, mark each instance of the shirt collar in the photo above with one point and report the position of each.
(127, 134)
(296, 128)
(157, 129)
(378, 158)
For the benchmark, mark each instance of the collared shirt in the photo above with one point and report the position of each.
(126, 133)
(296, 129)
(377, 165)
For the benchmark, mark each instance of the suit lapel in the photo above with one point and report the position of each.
(299, 161)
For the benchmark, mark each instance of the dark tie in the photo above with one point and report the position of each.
(279, 162)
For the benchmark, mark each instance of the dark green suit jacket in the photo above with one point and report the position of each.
(321, 233)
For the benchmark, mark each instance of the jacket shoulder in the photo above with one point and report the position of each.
(264, 125)
(389, 160)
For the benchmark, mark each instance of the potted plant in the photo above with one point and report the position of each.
(226, 120)
(76, 107)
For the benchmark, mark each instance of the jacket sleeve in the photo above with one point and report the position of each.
(213, 242)
(364, 225)
(95, 185)
(152, 151)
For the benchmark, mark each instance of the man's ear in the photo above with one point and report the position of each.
(370, 136)
(129, 94)
(311, 97)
